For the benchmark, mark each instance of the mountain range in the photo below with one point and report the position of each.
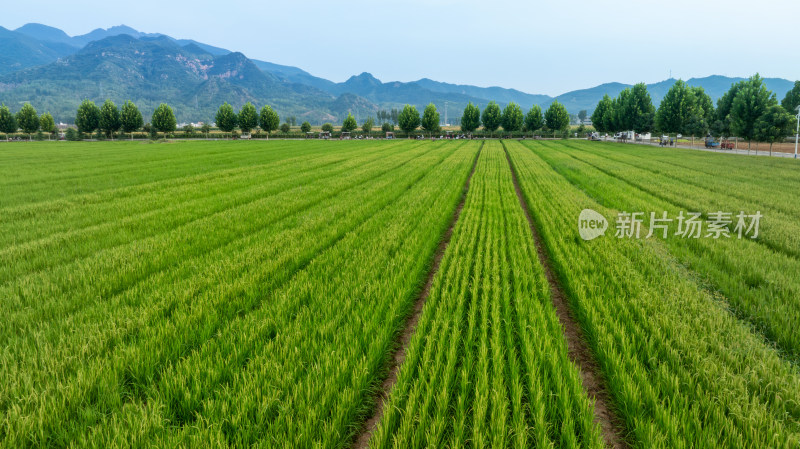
(45, 66)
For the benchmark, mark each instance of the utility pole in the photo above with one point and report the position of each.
(445, 113)
(797, 132)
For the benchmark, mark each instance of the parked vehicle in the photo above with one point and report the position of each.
(625, 135)
(711, 143)
(726, 145)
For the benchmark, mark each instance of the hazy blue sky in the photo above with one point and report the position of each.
(538, 47)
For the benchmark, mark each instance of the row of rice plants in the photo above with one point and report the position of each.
(330, 331)
(780, 231)
(760, 285)
(64, 285)
(734, 176)
(782, 172)
(37, 220)
(488, 364)
(50, 171)
(85, 349)
(118, 221)
(681, 370)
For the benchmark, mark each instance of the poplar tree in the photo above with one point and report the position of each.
(268, 120)
(471, 119)
(247, 118)
(491, 117)
(130, 118)
(512, 117)
(110, 121)
(534, 120)
(430, 119)
(408, 119)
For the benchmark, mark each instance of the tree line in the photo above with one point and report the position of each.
(108, 120)
(511, 119)
(747, 110)
(27, 120)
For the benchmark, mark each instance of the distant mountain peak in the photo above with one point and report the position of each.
(45, 33)
(364, 78)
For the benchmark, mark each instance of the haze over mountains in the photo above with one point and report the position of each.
(55, 72)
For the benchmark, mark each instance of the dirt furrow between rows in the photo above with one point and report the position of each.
(404, 339)
(579, 352)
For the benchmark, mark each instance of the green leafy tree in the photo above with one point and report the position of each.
(110, 120)
(701, 117)
(268, 120)
(205, 129)
(582, 114)
(611, 117)
(226, 118)
(72, 135)
(534, 120)
(88, 118)
(491, 117)
(752, 101)
(247, 118)
(430, 119)
(703, 105)
(638, 110)
(471, 119)
(28, 119)
(512, 117)
(387, 127)
(367, 125)
(722, 124)
(773, 125)
(327, 127)
(792, 99)
(305, 127)
(349, 123)
(599, 114)
(164, 119)
(47, 124)
(556, 117)
(620, 119)
(695, 125)
(8, 122)
(188, 130)
(409, 119)
(686, 110)
(286, 127)
(130, 118)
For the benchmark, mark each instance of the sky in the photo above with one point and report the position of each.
(534, 46)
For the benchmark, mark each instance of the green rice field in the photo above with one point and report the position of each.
(394, 294)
